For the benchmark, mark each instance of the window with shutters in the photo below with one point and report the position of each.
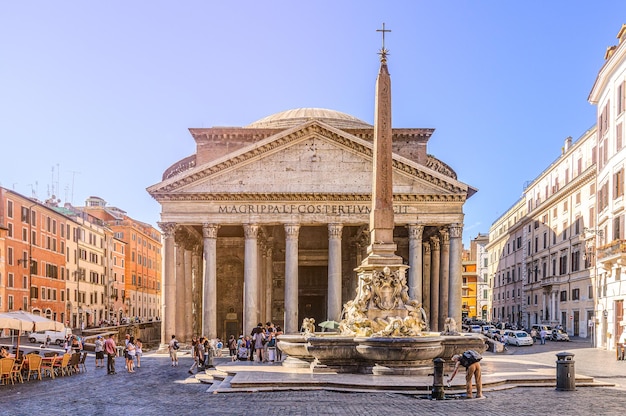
(575, 261)
(618, 138)
(594, 155)
(563, 263)
(618, 228)
(618, 184)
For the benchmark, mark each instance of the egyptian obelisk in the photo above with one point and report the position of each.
(381, 250)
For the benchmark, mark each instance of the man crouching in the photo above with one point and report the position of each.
(469, 360)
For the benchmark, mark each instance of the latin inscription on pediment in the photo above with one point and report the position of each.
(302, 209)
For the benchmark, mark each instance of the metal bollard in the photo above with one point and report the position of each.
(565, 374)
(438, 390)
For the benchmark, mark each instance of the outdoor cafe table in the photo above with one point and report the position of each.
(49, 361)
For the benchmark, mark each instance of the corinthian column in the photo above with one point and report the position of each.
(196, 267)
(291, 278)
(334, 272)
(250, 278)
(188, 273)
(168, 324)
(444, 277)
(434, 284)
(180, 289)
(415, 261)
(456, 280)
(209, 300)
(426, 279)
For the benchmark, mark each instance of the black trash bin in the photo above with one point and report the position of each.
(565, 373)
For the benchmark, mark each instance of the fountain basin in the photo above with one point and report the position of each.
(294, 345)
(398, 355)
(337, 354)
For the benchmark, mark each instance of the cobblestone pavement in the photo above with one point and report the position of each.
(157, 388)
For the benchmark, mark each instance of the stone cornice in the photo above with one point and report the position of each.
(312, 128)
(301, 197)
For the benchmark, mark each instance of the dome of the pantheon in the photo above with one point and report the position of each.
(291, 118)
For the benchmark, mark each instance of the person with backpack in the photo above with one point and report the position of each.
(471, 361)
(173, 347)
(232, 346)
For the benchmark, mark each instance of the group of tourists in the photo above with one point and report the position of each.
(203, 350)
(259, 346)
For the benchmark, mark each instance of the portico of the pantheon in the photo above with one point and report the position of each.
(268, 222)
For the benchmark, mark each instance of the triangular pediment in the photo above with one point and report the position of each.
(312, 158)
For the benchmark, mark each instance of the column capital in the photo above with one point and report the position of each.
(456, 230)
(292, 230)
(416, 231)
(334, 230)
(445, 236)
(426, 247)
(434, 241)
(251, 231)
(209, 230)
(168, 228)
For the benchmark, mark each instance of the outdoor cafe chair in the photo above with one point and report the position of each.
(62, 367)
(81, 363)
(16, 371)
(34, 366)
(6, 369)
(74, 363)
(49, 364)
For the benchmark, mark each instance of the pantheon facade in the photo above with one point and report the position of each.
(267, 222)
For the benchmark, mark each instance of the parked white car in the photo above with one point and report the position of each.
(475, 328)
(56, 337)
(486, 329)
(518, 338)
(559, 335)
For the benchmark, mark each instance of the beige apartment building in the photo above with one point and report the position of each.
(506, 264)
(540, 264)
(609, 95)
(140, 243)
(86, 264)
(558, 269)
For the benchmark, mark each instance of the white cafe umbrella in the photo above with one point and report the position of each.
(26, 321)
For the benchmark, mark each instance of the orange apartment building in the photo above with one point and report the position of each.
(141, 295)
(33, 267)
(469, 291)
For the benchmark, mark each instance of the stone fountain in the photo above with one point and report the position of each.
(383, 330)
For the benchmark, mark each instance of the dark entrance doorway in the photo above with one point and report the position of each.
(312, 287)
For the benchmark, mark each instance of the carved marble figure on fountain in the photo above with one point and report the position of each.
(382, 307)
(308, 326)
(450, 327)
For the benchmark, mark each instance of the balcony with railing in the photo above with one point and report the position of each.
(612, 253)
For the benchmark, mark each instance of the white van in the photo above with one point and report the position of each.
(56, 337)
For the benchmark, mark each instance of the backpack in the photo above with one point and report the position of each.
(176, 346)
(470, 357)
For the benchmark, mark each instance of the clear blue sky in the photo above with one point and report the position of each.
(96, 97)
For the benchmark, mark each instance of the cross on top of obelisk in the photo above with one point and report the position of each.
(383, 52)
